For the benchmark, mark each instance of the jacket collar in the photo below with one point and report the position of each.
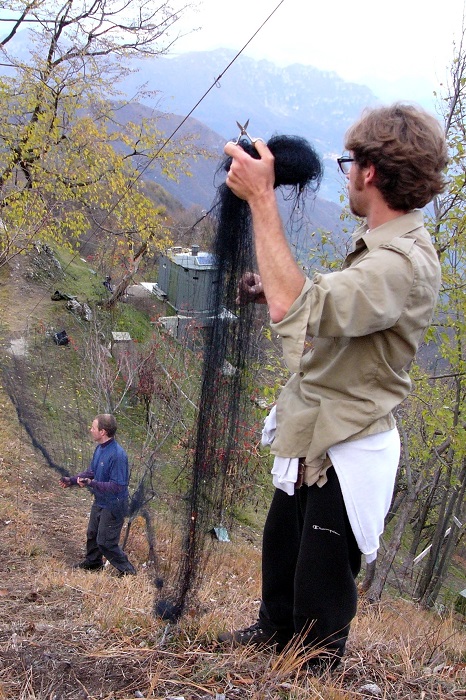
(387, 232)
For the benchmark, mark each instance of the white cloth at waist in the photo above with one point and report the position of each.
(366, 469)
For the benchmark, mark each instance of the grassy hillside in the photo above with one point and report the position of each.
(69, 634)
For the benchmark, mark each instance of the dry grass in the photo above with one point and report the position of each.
(71, 635)
(68, 634)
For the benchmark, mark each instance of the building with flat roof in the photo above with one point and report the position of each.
(187, 277)
(186, 280)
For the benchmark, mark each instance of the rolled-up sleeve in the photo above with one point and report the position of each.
(293, 328)
(349, 303)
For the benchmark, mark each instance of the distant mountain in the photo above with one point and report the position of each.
(199, 188)
(297, 99)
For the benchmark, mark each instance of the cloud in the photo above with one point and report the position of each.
(359, 40)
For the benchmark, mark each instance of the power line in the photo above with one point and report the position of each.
(170, 137)
(214, 84)
(184, 120)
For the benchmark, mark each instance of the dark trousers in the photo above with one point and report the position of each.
(310, 560)
(103, 537)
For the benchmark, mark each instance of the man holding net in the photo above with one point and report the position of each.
(107, 478)
(332, 432)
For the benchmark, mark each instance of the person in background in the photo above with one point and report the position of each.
(332, 432)
(108, 283)
(107, 478)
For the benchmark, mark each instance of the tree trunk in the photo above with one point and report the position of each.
(398, 501)
(124, 283)
(424, 512)
(456, 509)
(150, 532)
(444, 513)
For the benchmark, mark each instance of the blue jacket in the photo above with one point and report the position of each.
(110, 473)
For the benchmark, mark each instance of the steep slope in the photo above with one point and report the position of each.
(74, 635)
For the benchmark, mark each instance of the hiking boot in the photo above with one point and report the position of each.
(251, 635)
(88, 566)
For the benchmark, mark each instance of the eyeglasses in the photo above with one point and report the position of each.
(344, 163)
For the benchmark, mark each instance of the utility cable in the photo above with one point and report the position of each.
(170, 137)
(214, 84)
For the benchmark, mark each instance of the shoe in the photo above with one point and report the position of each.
(88, 566)
(251, 635)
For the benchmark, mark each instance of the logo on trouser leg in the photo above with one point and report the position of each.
(325, 529)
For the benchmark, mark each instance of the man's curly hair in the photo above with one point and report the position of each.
(408, 149)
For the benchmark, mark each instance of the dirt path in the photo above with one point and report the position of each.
(48, 638)
(22, 301)
(52, 619)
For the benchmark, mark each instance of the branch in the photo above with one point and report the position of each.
(18, 22)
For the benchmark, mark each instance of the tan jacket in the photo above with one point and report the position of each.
(366, 323)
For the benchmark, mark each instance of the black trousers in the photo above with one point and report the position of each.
(310, 560)
(103, 537)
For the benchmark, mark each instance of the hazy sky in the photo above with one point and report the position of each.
(403, 47)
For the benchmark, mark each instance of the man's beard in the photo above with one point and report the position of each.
(356, 211)
(355, 203)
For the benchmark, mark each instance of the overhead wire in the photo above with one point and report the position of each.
(133, 182)
(169, 138)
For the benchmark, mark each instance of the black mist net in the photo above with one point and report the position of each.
(225, 360)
